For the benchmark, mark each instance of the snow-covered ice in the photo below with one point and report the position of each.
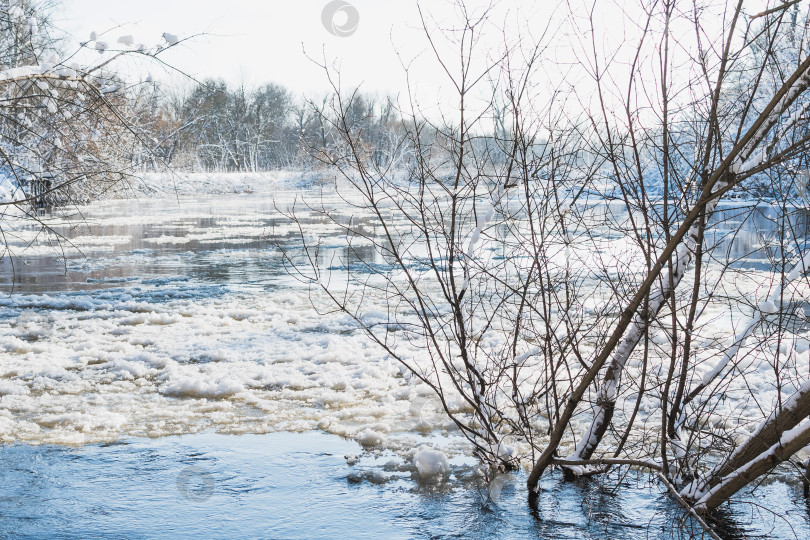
(174, 315)
(430, 463)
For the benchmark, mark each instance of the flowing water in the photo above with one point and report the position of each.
(162, 375)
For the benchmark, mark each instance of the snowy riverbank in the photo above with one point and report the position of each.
(165, 184)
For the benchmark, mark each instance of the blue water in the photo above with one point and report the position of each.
(298, 485)
(281, 486)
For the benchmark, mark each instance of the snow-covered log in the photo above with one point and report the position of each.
(770, 434)
(789, 442)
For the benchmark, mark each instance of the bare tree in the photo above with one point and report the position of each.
(68, 129)
(549, 262)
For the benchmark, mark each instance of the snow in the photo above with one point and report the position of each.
(171, 354)
(194, 184)
(484, 218)
(16, 12)
(110, 89)
(369, 437)
(21, 72)
(696, 491)
(130, 353)
(430, 463)
(191, 386)
(8, 190)
(10, 387)
(749, 156)
(525, 356)
(768, 307)
(171, 39)
(504, 451)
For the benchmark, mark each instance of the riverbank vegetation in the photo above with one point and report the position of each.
(571, 300)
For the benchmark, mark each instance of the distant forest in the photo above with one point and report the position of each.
(215, 127)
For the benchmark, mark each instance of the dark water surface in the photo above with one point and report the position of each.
(234, 239)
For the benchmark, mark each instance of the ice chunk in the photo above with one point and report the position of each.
(504, 451)
(102, 46)
(127, 41)
(768, 307)
(16, 12)
(369, 437)
(430, 462)
(8, 387)
(198, 388)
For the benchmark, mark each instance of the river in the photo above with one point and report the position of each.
(162, 375)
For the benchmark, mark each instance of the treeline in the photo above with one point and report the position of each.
(217, 127)
(74, 125)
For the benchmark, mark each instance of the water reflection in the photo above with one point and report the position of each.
(133, 240)
(757, 236)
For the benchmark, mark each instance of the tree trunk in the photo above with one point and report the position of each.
(608, 392)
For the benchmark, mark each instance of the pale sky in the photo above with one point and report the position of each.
(258, 41)
(264, 41)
